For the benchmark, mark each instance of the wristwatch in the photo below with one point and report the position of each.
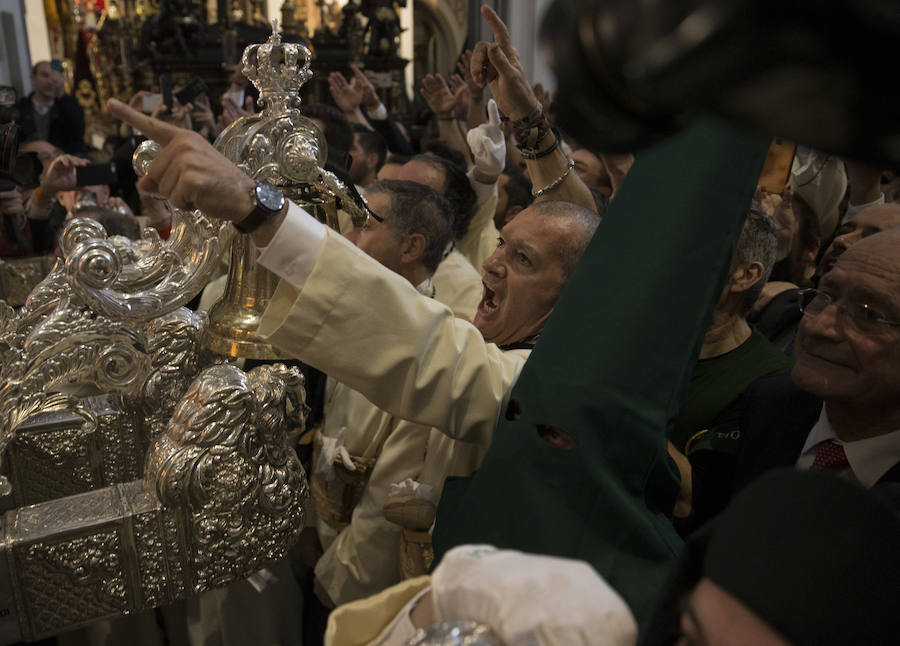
(268, 202)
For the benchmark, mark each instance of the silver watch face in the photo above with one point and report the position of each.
(269, 197)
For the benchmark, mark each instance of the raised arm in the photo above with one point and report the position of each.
(475, 115)
(435, 369)
(497, 64)
(347, 97)
(443, 103)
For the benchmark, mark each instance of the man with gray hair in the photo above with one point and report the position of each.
(360, 449)
(409, 225)
(457, 278)
(840, 409)
(733, 357)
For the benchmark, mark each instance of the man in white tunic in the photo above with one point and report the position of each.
(361, 450)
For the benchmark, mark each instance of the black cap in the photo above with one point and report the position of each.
(815, 556)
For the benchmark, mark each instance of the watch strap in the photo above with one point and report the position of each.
(258, 216)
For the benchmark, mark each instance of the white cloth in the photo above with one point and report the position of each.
(481, 239)
(526, 599)
(213, 292)
(378, 113)
(364, 558)
(412, 489)
(869, 459)
(457, 285)
(432, 368)
(291, 254)
(530, 599)
(380, 620)
(821, 180)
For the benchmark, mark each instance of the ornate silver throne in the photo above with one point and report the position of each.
(139, 464)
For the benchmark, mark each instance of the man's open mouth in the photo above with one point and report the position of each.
(488, 301)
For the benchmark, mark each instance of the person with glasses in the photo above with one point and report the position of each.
(840, 411)
(361, 450)
(779, 317)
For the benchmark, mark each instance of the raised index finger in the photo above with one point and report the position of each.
(501, 34)
(159, 131)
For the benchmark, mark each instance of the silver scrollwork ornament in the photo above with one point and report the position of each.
(103, 361)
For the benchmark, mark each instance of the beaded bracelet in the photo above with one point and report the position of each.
(530, 154)
(555, 183)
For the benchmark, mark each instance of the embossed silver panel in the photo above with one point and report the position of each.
(142, 468)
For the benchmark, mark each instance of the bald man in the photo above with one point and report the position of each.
(841, 413)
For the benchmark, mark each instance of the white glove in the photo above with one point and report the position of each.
(487, 143)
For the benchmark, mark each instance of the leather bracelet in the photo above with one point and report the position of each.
(532, 136)
(555, 183)
(450, 117)
(534, 117)
(531, 155)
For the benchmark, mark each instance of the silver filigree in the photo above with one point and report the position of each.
(279, 145)
(278, 70)
(225, 457)
(138, 281)
(102, 362)
(172, 343)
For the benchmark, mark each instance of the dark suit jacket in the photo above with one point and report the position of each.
(66, 123)
(776, 422)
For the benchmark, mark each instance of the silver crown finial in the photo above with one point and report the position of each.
(275, 38)
(278, 70)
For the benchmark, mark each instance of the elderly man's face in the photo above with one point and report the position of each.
(523, 278)
(376, 238)
(865, 223)
(856, 362)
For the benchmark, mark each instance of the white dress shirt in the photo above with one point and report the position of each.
(869, 459)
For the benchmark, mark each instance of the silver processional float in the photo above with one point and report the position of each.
(139, 464)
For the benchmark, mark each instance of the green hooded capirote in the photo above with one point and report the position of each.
(611, 368)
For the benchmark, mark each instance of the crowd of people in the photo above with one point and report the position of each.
(583, 391)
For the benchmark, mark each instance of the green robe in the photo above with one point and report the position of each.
(611, 369)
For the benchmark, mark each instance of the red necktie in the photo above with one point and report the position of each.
(830, 456)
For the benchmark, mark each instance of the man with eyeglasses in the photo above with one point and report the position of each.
(361, 450)
(842, 411)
